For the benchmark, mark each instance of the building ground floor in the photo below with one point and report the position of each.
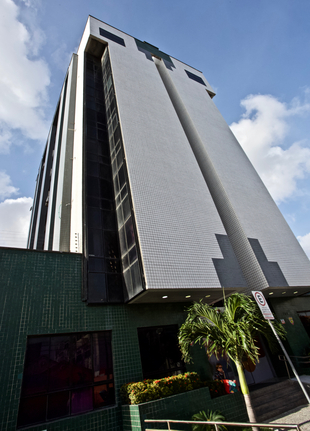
(63, 362)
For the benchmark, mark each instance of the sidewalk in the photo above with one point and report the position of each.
(300, 416)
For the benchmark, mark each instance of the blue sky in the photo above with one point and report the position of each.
(255, 54)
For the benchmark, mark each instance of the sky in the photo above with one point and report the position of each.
(255, 55)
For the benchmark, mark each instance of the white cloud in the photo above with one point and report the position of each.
(5, 139)
(14, 221)
(23, 78)
(305, 243)
(6, 188)
(261, 131)
(61, 57)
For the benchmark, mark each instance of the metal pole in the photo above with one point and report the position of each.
(290, 362)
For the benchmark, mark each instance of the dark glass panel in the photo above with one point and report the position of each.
(129, 233)
(60, 366)
(91, 104)
(91, 132)
(92, 169)
(133, 254)
(102, 135)
(101, 118)
(128, 282)
(114, 167)
(104, 171)
(116, 184)
(91, 124)
(102, 356)
(125, 261)
(115, 288)
(36, 366)
(96, 264)
(113, 265)
(93, 202)
(126, 209)
(106, 189)
(106, 204)
(119, 158)
(81, 401)
(93, 157)
(81, 361)
(121, 176)
(117, 134)
(159, 351)
(195, 77)
(94, 218)
(32, 410)
(124, 191)
(118, 200)
(90, 91)
(92, 186)
(111, 36)
(110, 244)
(104, 395)
(113, 105)
(108, 220)
(122, 240)
(95, 242)
(96, 287)
(136, 278)
(58, 405)
(99, 107)
(91, 115)
(89, 66)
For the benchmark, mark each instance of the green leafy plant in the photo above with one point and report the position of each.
(154, 389)
(210, 416)
(232, 331)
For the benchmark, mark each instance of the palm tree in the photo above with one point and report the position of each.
(232, 331)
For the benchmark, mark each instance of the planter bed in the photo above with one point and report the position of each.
(183, 406)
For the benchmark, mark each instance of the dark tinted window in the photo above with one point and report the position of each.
(159, 351)
(195, 77)
(66, 375)
(111, 36)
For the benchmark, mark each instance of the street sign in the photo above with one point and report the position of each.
(262, 303)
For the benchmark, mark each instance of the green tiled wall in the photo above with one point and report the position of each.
(182, 407)
(284, 308)
(40, 293)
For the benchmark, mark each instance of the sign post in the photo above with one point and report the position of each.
(264, 307)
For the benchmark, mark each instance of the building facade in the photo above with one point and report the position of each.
(143, 176)
(144, 202)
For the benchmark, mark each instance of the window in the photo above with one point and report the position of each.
(159, 351)
(195, 77)
(111, 36)
(305, 320)
(66, 375)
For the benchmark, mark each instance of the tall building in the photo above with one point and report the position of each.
(143, 176)
(144, 202)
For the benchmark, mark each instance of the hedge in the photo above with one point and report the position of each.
(154, 389)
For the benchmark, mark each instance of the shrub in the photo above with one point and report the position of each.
(212, 416)
(149, 390)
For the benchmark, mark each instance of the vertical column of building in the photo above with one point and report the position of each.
(50, 218)
(103, 279)
(247, 260)
(41, 200)
(128, 238)
(35, 207)
(62, 235)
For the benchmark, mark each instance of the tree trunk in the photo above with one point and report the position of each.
(246, 393)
